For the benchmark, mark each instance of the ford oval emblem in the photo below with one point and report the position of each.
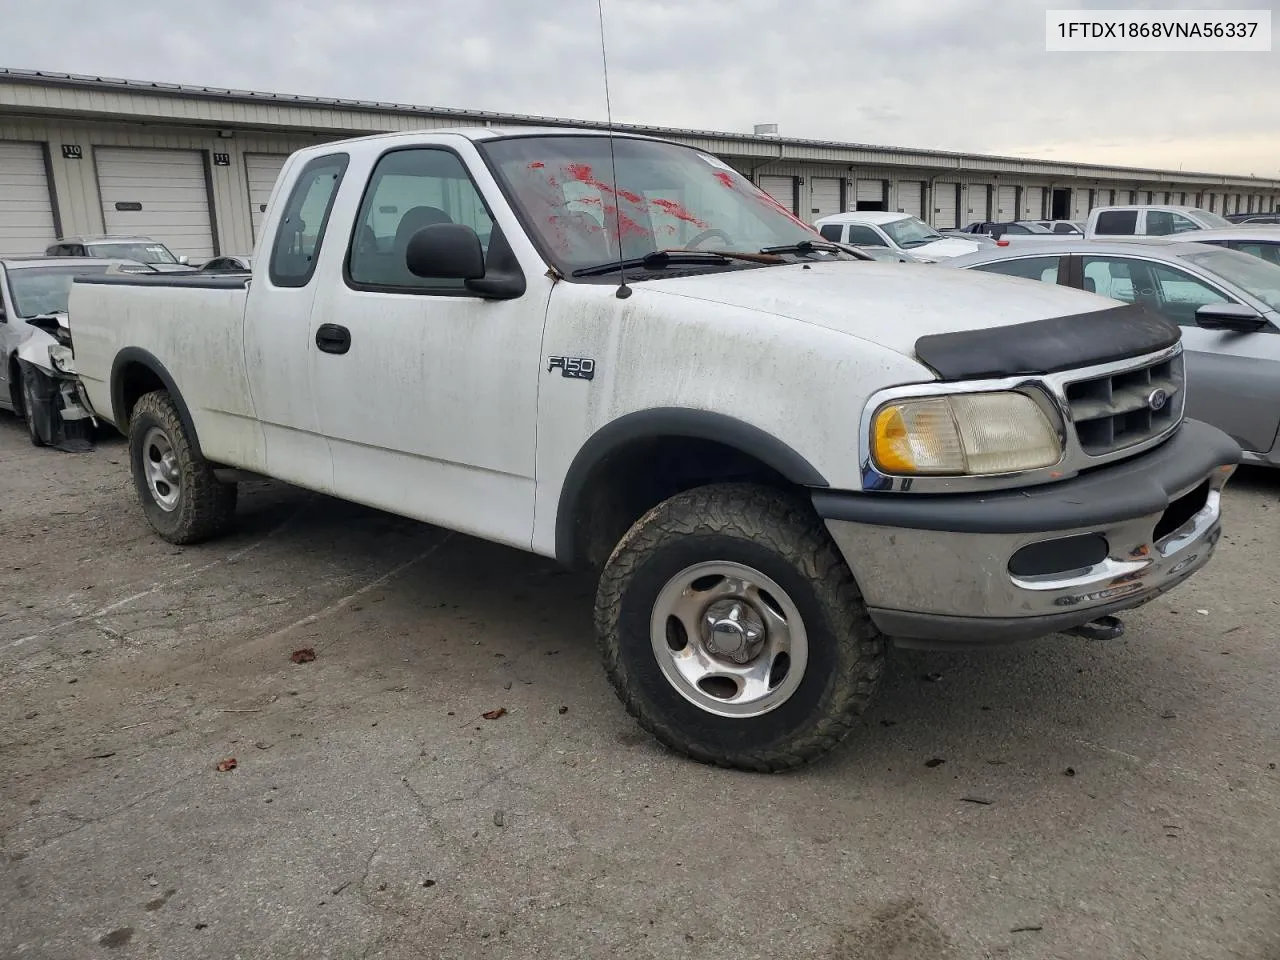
(1156, 399)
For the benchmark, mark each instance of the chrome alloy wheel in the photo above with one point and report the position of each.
(729, 639)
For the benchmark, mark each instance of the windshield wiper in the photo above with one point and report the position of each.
(661, 259)
(804, 246)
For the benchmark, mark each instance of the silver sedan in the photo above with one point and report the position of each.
(1227, 303)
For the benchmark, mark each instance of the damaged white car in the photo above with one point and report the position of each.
(37, 378)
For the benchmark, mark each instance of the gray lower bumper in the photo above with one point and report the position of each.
(930, 587)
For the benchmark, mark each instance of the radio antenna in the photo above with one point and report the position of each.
(623, 290)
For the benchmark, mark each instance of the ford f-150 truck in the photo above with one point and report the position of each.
(618, 352)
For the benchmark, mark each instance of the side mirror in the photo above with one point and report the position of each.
(1234, 317)
(184, 260)
(445, 251)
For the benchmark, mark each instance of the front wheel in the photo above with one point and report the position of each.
(182, 498)
(29, 406)
(733, 631)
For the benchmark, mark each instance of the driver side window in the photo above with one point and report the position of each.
(863, 236)
(409, 190)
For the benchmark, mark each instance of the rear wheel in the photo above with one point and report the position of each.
(182, 498)
(733, 631)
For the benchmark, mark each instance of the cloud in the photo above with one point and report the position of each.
(951, 74)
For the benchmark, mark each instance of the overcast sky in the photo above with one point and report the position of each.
(950, 74)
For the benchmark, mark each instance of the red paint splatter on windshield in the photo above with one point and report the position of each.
(725, 178)
(537, 165)
(584, 174)
(675, 209)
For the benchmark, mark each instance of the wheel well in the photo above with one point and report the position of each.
(135, 380)
(637, 477)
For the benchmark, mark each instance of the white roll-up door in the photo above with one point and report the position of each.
(26, 212)
(945, 211)
(260, 170)
(909, 194)
(161, 194)
(1080, 203)
(1032, 203)
(1006, 203)
(782, 189)
(869, 193)
(825, 199)
(976, 202)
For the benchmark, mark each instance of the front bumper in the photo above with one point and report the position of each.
(946, 570)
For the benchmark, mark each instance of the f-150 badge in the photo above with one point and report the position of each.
(576, 368)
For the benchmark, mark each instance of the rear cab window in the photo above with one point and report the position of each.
(1117, 223)
(306, 216)
(831, 231)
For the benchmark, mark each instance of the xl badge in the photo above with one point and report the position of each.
(576, 368)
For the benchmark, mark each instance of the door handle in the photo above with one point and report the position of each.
(332, 338)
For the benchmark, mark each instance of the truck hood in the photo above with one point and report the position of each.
(946, 247)
(890, 304)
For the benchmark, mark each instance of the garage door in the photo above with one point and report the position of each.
(977, 202)
(870, 195)
(1033, 203)
(26, 215)
(1080, 204)
(910, 193)
(161, 194)
(945, 208)
(782, 189)
(260, 170)
(826, 197)
(1006, 203)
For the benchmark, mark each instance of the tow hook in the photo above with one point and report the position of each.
(1104, 628)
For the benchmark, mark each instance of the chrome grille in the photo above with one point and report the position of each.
(1122, 409)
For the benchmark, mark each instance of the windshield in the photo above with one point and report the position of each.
(668, 198)
(910, 232)
(1259, 279)
(143, 252)
(1211, 219)
(1032, 227)
(37, 291)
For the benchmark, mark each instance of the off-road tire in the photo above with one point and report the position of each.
(780, 536)
(206, 507)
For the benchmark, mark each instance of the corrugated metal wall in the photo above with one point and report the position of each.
(79, 206)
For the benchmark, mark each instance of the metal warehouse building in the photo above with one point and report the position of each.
(194, 166)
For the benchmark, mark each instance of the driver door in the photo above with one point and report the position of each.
(428, 396)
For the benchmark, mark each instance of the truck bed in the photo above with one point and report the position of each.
(187, 328)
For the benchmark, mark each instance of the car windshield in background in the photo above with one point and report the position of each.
(38, 291)
(1212, 219)
(667, 197)
(1031, 227)
(911, 232)
(1255, 277)
(142, 252)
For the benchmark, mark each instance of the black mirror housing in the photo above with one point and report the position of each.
(1231, 317)
(445, 251)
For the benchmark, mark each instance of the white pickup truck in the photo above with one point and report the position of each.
(1150, 220)
(776, 454)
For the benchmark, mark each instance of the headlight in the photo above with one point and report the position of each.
(974, 433)
(62, 359)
